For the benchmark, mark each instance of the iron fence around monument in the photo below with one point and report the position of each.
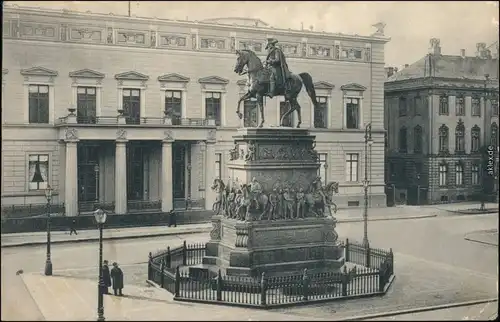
(168, 270)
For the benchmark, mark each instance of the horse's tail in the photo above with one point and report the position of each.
(309, 85)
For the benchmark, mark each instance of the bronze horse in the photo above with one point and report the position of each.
(259, 85)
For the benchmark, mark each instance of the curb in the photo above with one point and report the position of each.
(92, 239)
(418, 310)
(466, 212)
(193, 231)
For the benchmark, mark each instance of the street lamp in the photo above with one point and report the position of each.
(48, 261)
(418, 188)
(100, 218)
(366, 182)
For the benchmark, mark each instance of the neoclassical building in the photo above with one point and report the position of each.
(439, 112)
(139, 113)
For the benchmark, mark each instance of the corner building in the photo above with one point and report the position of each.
(440, 111)
(138, 114)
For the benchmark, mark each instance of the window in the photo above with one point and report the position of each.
(403, 140)
(352, 167)
(352, 113)
(132, 105)
(494, 106)
(475, 138)
(38, 104)
(218, 165)
(494, 135)
(459, 174)
(250, 113)
(443, 174)
(173, 106)
(475, 174)
(321, 113)
(402, 106)
(86, 105)
(38, 171)
(213, 106)
(418, 169)
(417, 105)
(323, 166)
(283, 109)
(443, 105)
(460, 106)
(417, 135)
(460, 137)
(443, 138)
(476, 106)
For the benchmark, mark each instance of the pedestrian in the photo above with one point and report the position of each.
(172, 218)
(72, 227)
(117, 277)
(106, 277)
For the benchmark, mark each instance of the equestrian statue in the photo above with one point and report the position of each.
(272, 79)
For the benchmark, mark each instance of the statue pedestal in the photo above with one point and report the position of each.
(251, 248)
(273, 216)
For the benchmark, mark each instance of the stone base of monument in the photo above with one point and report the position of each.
(273, 247)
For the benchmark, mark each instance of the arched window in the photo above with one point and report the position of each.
(443, 138)
(403, 140)
(476, 106)
(475, 174)
(460, 105)
(460, 137)
(459, 174)
(402, 106)
(494, 134)
(443, 174)
(417, 139)
(475, 138)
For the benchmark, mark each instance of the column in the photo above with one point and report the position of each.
(121, 177)
(166, 176)
(209, 174)
(71, 179)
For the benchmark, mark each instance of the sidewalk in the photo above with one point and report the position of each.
(488, 237)
(57, 237)
(466, 208)
(71, 299)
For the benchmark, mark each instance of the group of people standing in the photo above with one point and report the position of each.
(112, 278)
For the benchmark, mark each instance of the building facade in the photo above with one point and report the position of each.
(139, 113)
(439, 112)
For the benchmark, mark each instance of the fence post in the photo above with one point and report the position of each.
(263, 289)
(169, 258)
(219, 286)
(305, 286)
(177, 282)
(391, 261)
(184, 253)
(368, 255)
(150, 260)
(347, 250)
(162, 276)
(345, 280)
(381, 277)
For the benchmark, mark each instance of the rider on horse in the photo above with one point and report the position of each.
(279, 68)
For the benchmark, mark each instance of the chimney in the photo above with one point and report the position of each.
(434, 47)
(389, 71)
(481, 50)
(462, 53)
(406, 65)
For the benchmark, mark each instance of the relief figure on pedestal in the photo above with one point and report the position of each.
(289, 204)
(319, 198)
(234, 153)
(250, 156)
(219, 188)
(301, 203)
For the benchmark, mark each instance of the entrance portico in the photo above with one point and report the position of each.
(138, 175)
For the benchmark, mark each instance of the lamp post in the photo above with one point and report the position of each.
(100, 217)
(366, 182)
(48, 261)
(418, 188)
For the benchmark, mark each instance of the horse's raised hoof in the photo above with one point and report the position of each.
(239, 114)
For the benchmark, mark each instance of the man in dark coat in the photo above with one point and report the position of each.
(117, 277)
(172, 218)
(106, 277)
(279, 68)
(72, 227)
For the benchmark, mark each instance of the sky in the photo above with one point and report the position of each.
(458, 25)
